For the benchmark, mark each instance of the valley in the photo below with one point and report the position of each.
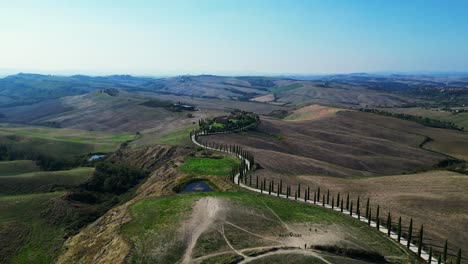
(129, 204)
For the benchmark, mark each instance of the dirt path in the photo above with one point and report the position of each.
(287, 251)
(247, 231)
(205, 212)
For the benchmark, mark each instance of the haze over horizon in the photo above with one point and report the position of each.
(233, 37)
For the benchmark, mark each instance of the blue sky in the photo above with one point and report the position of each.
(233, 37)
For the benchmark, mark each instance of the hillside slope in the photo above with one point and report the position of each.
(346, 144)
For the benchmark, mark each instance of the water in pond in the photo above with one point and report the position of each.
(197, 186)
(95, 157)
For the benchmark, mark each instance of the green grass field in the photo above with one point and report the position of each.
(209, 166)
(177, 137)
(60, 142)
(41, 181)
(145, 231)
(24, 235)
(157, 226)
(459, 119)
(15, 167)
(286, 88)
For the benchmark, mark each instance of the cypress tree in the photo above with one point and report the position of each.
(318, 194)
(281, 187)
(370, 217)
(351, 209)
(299, 190)
(338, 200)
(341, 204)
(308, 193)
(378, 217)
(261, 191)
(287, 191)
(430, 256)
(458, 261)
(278, 190)
(315, 197)
(420, 240)
(333, 202)
(269, 188)
(399, 229)
(358, 208)
(439, 261)
(445, 250)
(305, 196)
(264, 184)
(323, 201)
(295, 195)
(328, 196)
(347, 202)
(410, 232)
(256, 186)
(389, 224)
(272, 186)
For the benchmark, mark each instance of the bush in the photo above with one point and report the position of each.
(114, 178)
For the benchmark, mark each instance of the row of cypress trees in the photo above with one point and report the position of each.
(341, 203)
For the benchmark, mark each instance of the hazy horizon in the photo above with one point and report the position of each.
(233, 37)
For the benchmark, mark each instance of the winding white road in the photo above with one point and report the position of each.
(393, 236)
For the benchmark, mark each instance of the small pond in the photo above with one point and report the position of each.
(197, 186)
(95, 157)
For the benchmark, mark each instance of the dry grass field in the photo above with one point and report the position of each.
(437, 199)
(355, 148)
(344, 145)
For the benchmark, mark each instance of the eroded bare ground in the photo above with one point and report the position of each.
(204, 213)
(253, 234)
(100, 242)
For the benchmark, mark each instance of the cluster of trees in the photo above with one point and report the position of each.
(354, 208)
(238, 120)
(110, 91)
(45, 162)
(170, 106)
(426, 121)
(114, 178)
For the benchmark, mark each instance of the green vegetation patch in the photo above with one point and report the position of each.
(154, 230)
(177, 137)
(60, 141)
(425, 121)
(157, 226)
(286, 88)
(38, 241)
(461, 120)
(15, 167)
(236, 120)
(40, 181)
(209, 166)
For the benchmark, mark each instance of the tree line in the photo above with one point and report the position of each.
(45, 162)
(425, 121)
